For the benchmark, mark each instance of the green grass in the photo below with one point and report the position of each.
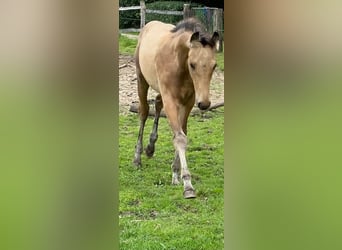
(220, 60)
(127, 46)
(133, 33)
(153, 213)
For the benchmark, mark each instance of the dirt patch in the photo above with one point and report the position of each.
(128, 85)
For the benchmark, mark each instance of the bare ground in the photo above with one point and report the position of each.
(128, 85)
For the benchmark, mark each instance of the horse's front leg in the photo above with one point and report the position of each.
(175, 169)
(180, 144)
(176, 165)
(176, 115)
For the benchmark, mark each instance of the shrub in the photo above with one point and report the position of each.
(129, 18)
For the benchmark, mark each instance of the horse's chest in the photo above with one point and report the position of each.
(186, 90)
(182, 89)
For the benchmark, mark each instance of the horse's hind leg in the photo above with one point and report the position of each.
(143, 113)
(154, 135)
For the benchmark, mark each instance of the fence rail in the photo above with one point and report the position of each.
(130, 8)
(215, 25)
(163, 12)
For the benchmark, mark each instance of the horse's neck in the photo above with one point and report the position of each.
(181, 47)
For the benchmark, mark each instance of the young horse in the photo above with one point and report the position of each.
(177, 62)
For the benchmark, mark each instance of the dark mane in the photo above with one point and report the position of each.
(194, 25)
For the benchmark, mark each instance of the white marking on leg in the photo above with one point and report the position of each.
(175, 170)
(180, 143)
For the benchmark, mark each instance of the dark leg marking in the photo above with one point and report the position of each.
(154, 135)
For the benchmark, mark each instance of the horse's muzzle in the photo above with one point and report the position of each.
(203, 105)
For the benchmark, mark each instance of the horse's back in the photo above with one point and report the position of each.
(150, 38)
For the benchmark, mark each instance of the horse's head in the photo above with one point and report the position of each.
(201, 63)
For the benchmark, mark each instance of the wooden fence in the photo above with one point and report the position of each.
(217, 18)
(143, 11)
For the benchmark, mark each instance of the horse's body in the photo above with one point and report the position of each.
(177, 62)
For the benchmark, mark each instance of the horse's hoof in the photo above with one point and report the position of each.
(149, 151)
(175, 182)
(188, 194)
(137, 163)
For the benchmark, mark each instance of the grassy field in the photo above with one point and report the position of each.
(127, 45)
(153, 213)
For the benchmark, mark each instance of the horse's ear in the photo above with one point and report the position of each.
(194, 40)
(215, 37)
(194, 37)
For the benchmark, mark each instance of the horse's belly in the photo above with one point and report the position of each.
(147, 65)
(150, 74)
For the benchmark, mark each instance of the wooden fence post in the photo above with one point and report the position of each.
(218, 26)
(142, 14)
(186, 11)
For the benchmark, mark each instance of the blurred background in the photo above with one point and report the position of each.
(57, 116)
(283, 89)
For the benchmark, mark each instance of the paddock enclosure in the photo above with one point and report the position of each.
(153, 213)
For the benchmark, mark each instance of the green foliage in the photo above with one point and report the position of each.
(132, 2)
(129, 18)
(153, 213)
(125, 3)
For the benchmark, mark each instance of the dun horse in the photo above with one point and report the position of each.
(177, 62)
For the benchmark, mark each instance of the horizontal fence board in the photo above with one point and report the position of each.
(130, 8)
(204, 8)
(165, 12)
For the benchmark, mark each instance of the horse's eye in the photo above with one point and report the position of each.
(214, 66)
(192, 65)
